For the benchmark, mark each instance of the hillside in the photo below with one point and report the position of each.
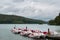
(13, 19)
(56, 21)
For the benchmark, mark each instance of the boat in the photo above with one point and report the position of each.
(16, 31)
(25, 32)
(36, 35)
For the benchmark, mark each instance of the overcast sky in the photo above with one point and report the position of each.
(37, 9)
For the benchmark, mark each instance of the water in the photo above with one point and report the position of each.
(6, 34)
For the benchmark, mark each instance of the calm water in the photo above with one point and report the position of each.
(5, 33)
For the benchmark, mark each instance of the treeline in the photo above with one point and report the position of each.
(56, 21)
(13, 19)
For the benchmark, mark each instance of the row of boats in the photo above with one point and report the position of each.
(30, 33)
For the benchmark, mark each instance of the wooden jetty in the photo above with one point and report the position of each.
(53, 37)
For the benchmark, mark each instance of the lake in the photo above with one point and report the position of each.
(6, 34)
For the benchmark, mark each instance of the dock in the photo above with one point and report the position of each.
(53, 37)
(50, 37)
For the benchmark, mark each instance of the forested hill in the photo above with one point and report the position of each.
(13, 19)
(56, 21)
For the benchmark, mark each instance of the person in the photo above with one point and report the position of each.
(26, 27)
(14, 27)
(49, 33)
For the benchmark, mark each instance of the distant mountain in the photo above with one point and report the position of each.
(56, 21)
(13, 19)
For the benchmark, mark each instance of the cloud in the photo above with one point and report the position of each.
(37, 9)
(18, 1)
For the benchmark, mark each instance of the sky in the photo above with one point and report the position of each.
(35, 9)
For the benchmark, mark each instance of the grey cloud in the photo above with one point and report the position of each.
(18, 1)
(50, 2)
(10, 9)
(29, 10)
